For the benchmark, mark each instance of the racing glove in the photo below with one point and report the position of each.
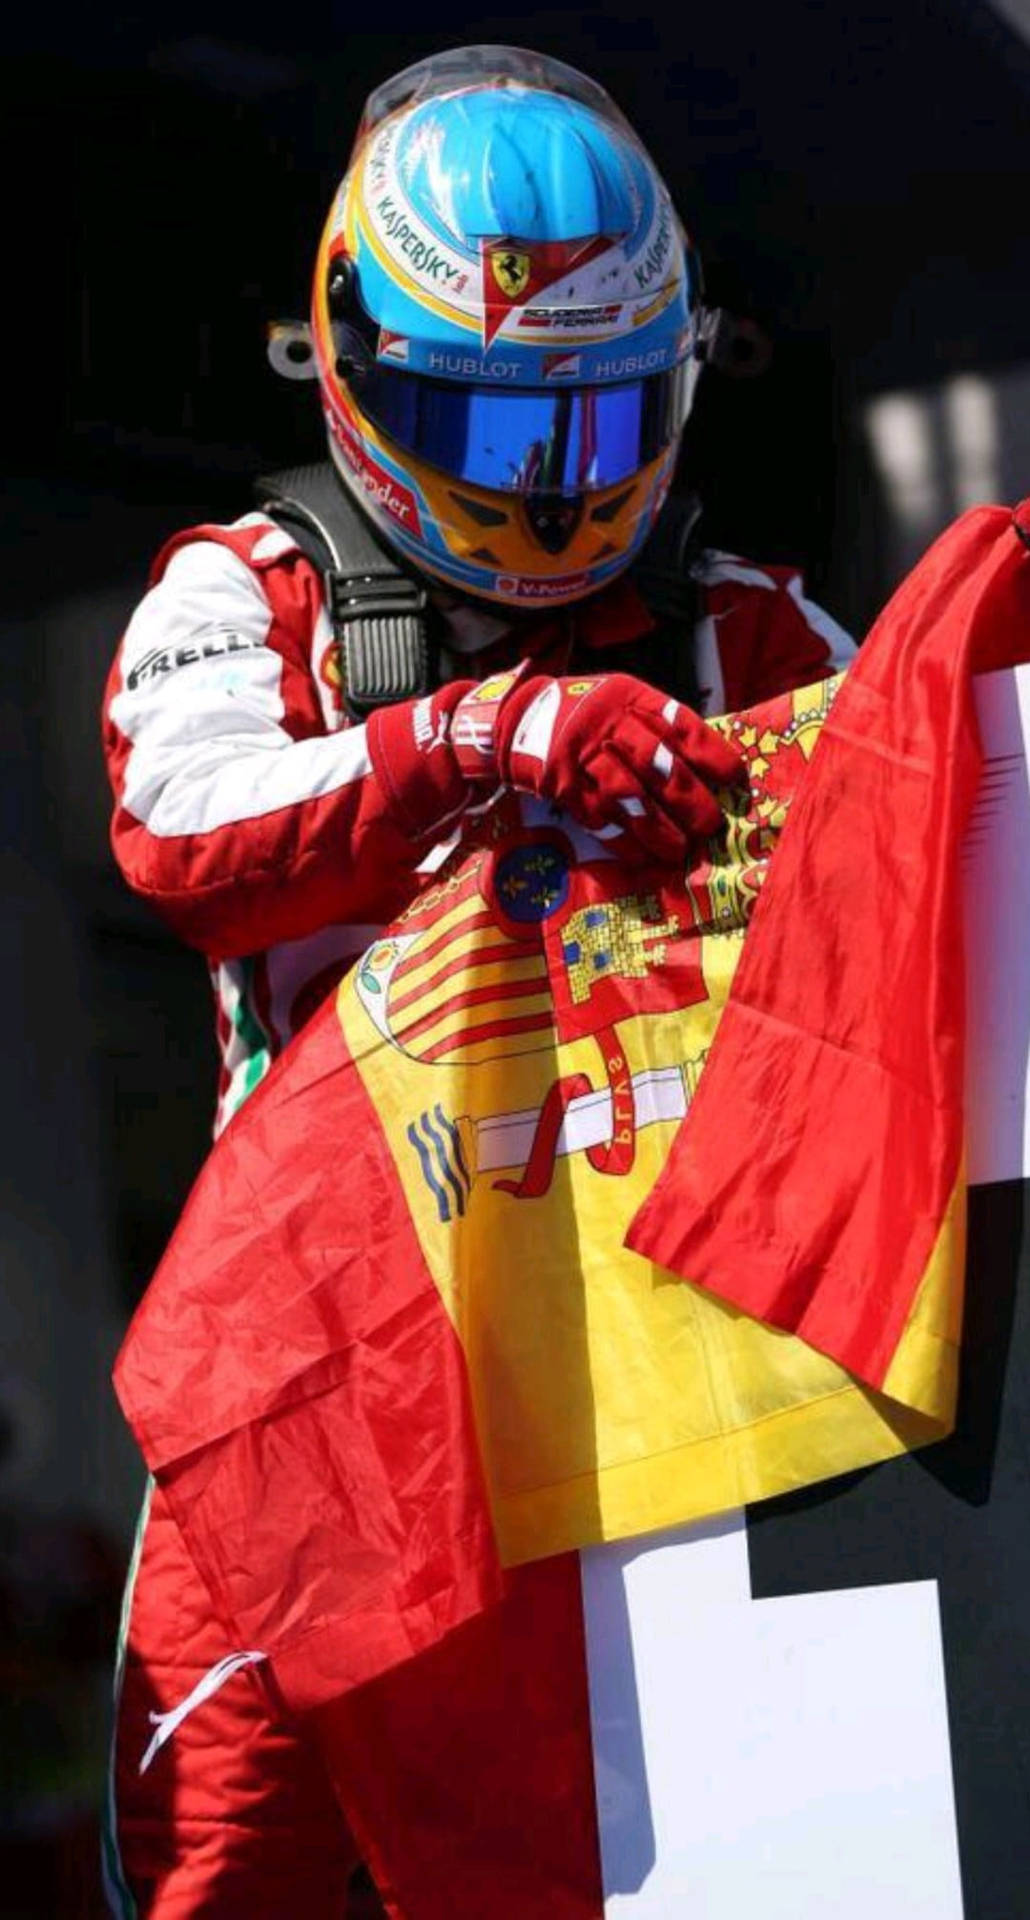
(410, 748)
(631, 764)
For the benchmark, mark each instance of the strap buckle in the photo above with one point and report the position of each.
(380, 629)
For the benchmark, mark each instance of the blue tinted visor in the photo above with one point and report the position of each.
(554, 440)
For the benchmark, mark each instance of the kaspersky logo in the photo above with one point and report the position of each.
(514, 271)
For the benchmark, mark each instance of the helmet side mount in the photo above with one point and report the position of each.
(733, 344)
(291, 350)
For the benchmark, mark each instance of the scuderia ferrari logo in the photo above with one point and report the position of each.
(511, 271)
(514, 271)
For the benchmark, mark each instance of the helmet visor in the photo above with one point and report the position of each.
(481, 66)
(565, 440)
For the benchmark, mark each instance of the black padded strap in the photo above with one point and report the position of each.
(663, 569)
(378, 611)
(664, 575)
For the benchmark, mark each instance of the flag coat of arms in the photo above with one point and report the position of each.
(594, 1201)
(531, 1034)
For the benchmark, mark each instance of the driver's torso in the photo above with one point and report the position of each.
(232, 650)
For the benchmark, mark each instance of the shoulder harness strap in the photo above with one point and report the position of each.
(664, 574)
(378, 611)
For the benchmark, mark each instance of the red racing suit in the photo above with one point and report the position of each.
(277, 838)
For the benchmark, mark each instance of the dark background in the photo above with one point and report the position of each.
(854, 179)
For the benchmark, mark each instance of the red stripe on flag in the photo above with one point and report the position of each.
(308, 1507)
(848, 1003)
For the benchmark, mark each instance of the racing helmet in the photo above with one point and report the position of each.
(506, 325)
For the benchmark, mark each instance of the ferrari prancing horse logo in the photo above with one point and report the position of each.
(511, 271)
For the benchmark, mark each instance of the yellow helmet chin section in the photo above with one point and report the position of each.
(496, 532)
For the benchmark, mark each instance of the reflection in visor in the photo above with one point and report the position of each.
(566, 441)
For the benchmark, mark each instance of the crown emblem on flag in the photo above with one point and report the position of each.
(622, 939)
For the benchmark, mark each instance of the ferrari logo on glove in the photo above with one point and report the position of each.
(494, 687)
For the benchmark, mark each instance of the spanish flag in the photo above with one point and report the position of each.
(595, 1201)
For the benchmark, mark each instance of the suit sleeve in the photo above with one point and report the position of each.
(237, 813)
(758, 635)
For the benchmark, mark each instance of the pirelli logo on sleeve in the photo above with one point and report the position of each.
(214, 645)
